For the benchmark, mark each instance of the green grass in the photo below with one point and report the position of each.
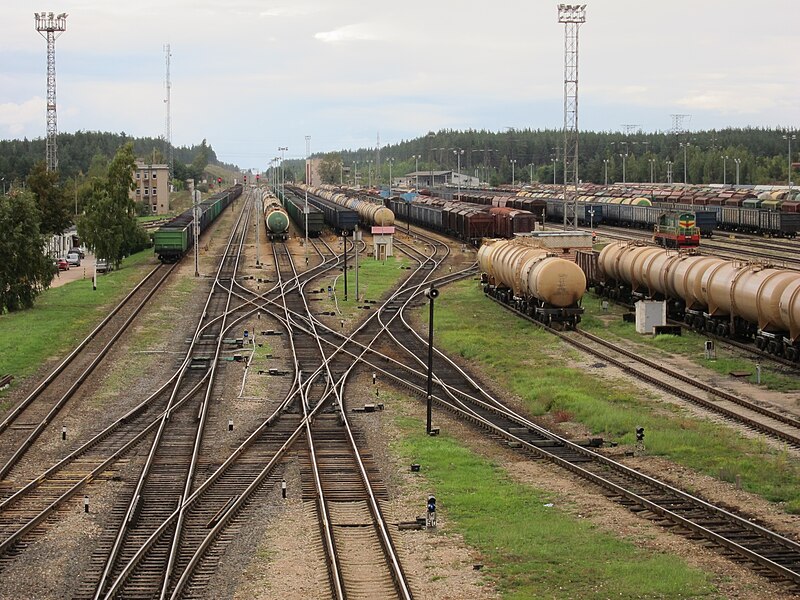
(533, 365)
(63, 316)
(532, 550)
(689, 344)
(375, 279)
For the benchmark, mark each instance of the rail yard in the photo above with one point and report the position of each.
(240, 434)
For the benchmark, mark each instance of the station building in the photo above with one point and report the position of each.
(429, 179)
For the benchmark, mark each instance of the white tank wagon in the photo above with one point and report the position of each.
(724, 297)
(369, 213)
(533, 280)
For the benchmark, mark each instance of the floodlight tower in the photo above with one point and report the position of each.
(572, 15)
(50, 27)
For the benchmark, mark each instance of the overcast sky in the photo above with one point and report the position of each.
(253, 75)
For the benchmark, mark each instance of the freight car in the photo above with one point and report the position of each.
(464, 220)
(338, 217)
(369, 212)
(728, 298)
(295, 206)
(276, 218)
(533, 280)
(172, 240)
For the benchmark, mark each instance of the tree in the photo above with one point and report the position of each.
(330, 167)
(109, 225)
(200, 161)
(50, 198)
(25, 270)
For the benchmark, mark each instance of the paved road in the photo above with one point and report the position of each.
(85, 271)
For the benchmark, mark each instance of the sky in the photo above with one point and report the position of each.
(251, 76)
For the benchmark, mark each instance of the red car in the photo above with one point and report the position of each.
(62, 264)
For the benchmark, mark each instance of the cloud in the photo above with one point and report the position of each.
(16, 117)
(358, 32)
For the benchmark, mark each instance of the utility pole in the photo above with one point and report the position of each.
(50, 27)
(308, 182)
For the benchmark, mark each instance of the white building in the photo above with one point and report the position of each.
(426, 179)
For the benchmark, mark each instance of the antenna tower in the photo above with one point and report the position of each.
(572, 15)
(50, 27)
(168, 130)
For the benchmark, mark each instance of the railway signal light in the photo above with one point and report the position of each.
(430, 520)
(640, 434)
(219, 180)
(245, 179)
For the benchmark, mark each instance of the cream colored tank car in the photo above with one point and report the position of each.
(532, 272)
(761, 295)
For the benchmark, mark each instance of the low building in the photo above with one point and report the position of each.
(427, 179)
(152, 187)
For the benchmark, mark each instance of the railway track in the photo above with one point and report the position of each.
(26, 422)
(135, 563)
(766, 552)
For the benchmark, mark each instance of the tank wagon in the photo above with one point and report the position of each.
(295, 207)
(532, 280)
(338, 217)
(172, 240)
(369, 213)
(276, 218)
(727, 298)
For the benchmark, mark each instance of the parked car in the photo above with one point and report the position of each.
(74, 259)
(101, 265)
(79, 251)
(62, 264)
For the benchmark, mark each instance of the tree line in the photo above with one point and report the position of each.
(759, 155)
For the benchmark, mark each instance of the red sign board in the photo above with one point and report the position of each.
(382, 230)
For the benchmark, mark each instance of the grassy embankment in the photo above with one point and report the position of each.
(532, 547)
(63, 316)
(609, 324)
(535, 366)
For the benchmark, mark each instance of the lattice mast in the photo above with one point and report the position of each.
(51, 27)
(572, 15)
(168, 153)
